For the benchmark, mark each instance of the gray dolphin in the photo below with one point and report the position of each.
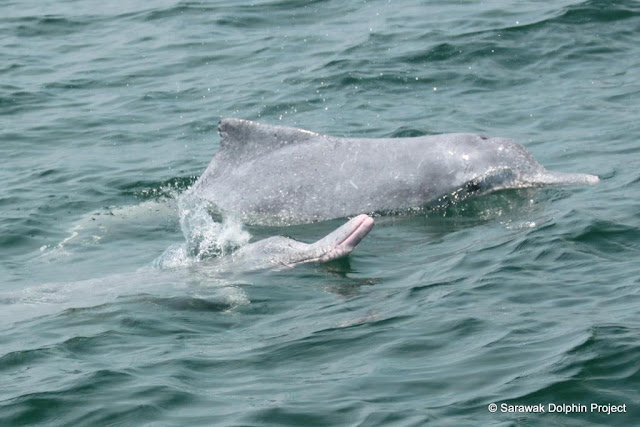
(279, 175)
(170, 285)
(281, 251)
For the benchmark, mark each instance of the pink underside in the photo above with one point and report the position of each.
(364, 224)
(361, 229)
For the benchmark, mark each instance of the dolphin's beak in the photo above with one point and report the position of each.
(342, 241)
(547, 177)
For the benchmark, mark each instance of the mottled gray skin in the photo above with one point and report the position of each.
(281, 251)
(273, 175)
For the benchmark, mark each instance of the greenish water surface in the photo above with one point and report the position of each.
(108, 112)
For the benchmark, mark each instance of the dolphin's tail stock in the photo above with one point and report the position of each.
(550, 178)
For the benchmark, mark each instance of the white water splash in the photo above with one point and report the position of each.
(204, 237)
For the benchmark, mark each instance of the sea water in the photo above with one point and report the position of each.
(518, 299)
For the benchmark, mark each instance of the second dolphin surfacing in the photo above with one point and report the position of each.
(281, 251)
(267, 174)
(278, 251)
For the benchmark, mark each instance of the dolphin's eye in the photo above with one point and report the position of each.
(473, 186)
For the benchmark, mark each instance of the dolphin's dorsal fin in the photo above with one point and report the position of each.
(240, 137)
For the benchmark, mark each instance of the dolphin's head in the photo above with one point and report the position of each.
(284, 252)
(341, 241)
